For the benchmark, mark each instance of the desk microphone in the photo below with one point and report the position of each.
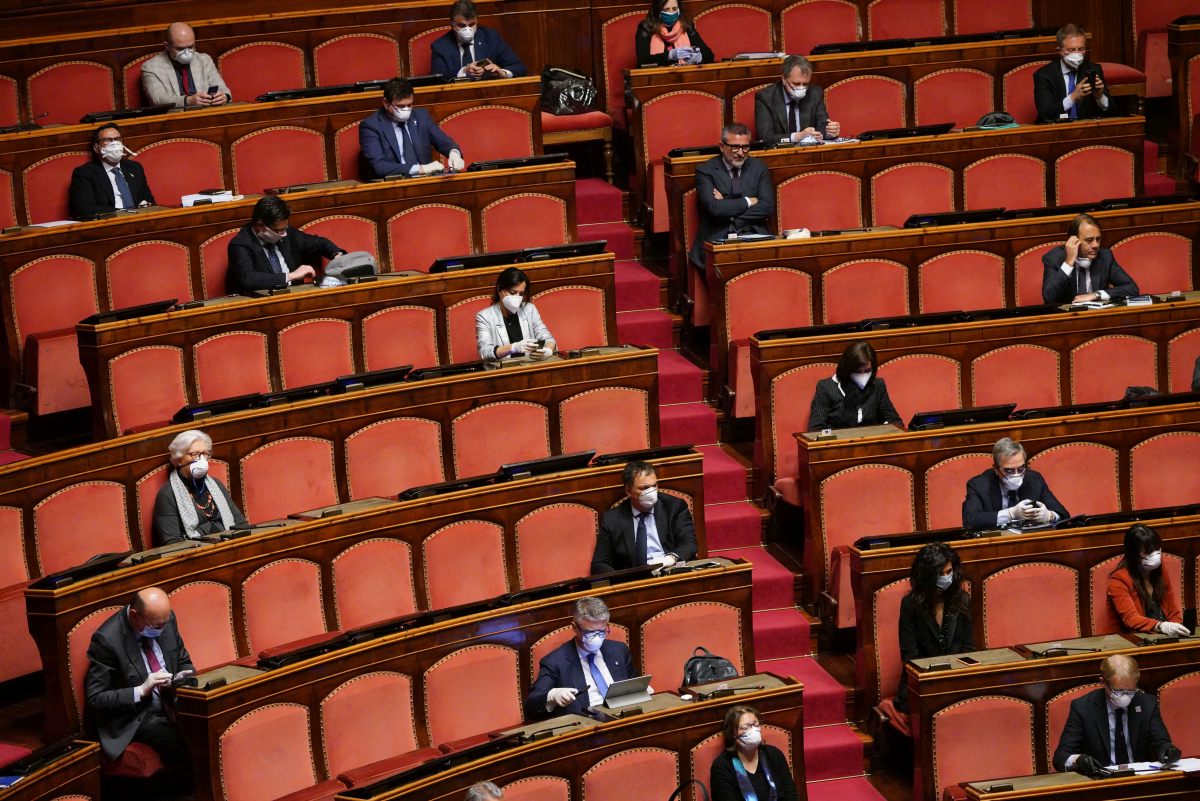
(546, 732)
(1061, 651)
(725, 692)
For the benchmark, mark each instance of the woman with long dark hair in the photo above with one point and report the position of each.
(511, 326)
(667, 36)
(1140, 591)
(855, 395)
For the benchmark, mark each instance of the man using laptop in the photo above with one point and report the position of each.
(574, 677)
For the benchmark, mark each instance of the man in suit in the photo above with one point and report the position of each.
(468, 50)
(1009, 493)
(131, 661)
(269, 254)
(1071, 87)
(182, 76)
(399, 138)
(733, 192)
(1114, 725)
(1080, 270)
(794, 108)
(109, 181)
(644, 528)
(574, 677)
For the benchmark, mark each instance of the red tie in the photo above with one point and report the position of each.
(186, 74)
(155, 667)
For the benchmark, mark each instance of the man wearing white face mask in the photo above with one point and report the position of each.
(794, 108)
(109, 181)
(400, 139)
(192, 503)
(1080, 271)
(645, 527)
(181, 75)
(1071, 87)
(1009, 493)
(469, 50)
(269, 254)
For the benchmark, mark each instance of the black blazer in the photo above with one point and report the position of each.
(561, 668)
(115, 667)
(982, 503)
(641, 43)
(1087, 730)
(831, 409)
(1058, 287)
(168, 524)
(723, 784)
(614, 540)
(249, 267)
(92, 192)
(446, 53)
(919, 639)
(1049, 90)
(718, 216)
(772, 115)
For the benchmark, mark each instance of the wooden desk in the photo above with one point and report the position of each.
(76, 775)
(1074, 787)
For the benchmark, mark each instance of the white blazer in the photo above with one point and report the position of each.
(490, 332)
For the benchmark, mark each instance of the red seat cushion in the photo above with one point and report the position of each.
(325, 791)
(553, 123)
(10, 753)
(1116, 74)
(376, 771)
(137, 761)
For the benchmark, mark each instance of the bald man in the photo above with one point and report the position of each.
(180, 75)
(131, 661)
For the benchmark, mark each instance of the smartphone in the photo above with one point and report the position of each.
(966, 660)
(212, 90)
(184, 678)
(483, 62)
(541, 343)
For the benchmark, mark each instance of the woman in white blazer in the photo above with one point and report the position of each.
(511, 326)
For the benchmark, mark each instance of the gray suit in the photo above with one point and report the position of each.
(772, 113)
(160, 82)
(490, 332)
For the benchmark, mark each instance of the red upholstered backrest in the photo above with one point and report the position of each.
(231, 364)
(985, 16)
(548, 642)
(398, 336)
(57, 525)
(743, 108)
(204, 610)
(1155, 16)
(389, 456)
(9, 114)
(575, 314)
(1008, 180)
(839, 205)
(13, 568)
(178, 167)
(607, 420)
(617, 42)
(653, 771)
(45, 185)
(307, 462)
(669, 638)
(282, 602)
(355, 57)
(554, 543)
(78, 639)
(961, 279)
(944, 487)
(1103, 367)
(131, 81)
(1160, 260)
(1177, 699)
(418, 235)
(146, 386)
(8, 205)
(705, 752)
(65, 91)
(314, 351)
(366, 719)
(1110, 171)
(146, 490)
(1058, 709)
(1083, 476)
(991, 735)
(845, 516)
(905, 19)
(907, 189)
(856, 290)
(358, 574)
(460, 328)
(1104, 618)
(866, 103)
(990, 384)
(472, 548)
(348, 231)
(956, 95)
(490, 132)
(347, 153)
(538, 788)
(791, 400)
(1016, 92)
(259, 67)
(482, 438)
(266, 753)
(765, 298)
(214, 263)
(1029, 274)
(887, 645)
(420, 53)
(809, 23)
(1015, 599)
(1162, 470)
(258, 165)
(675, 119)
(456, 682)
(735, 28)
(526, 219)
(146, 271)
(1182, 352)
(51, 294)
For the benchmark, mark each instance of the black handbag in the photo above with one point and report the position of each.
(565, 92)
(706, 668)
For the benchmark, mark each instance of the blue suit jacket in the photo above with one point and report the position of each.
(377, 138)
(447, 53)
(561, 668)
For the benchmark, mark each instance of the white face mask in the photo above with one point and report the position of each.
(860, 379)
(1120, 701)
(199, 468)
(466, 35)
(512, 302)
(269, 237)
(1073, 60)
(648, 498)
(112, 152)
(401, 114)
(1151, 561)
(592, 641)
(1014, 483)
(798, 92)
(1083, 261)
(944, 581)
(185, 56)
(750, 738)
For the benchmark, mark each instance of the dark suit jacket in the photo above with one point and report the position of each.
(772, 116)
(722, 778)
(250, 268)
(919, 639)
(831, 409)
(982, 503)
(447, 53)
(115, 667)
(377, 138)
(1087, 729)
(1049, 90)
(1057, 287)
(614, 541)
(92, 192)
(717, 216)
(561, 668)
(168, 523)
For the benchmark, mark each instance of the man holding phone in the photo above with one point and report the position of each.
(1071, 87)
(469, 50)
(180, 75)
(1080, 271)
(1009, 494)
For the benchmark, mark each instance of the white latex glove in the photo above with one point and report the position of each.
(431, 168)
(1042, 514)
(561, 696)
(160, 679)
(1174, 629)
(1021, 511)
(541, 353)
(525, 346)
(670, 560)
(456, 161)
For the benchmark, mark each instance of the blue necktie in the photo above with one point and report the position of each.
(123, 187)
(409, 154)
(273, 257)
(640, 540)
(597, 676)
(1074, 112)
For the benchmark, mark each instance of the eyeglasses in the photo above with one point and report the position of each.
(737, 148)
(1013, 471)
(198, 454)
(1122, 693)
(592, 634)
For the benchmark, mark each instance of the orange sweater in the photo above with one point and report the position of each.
(1125, 599)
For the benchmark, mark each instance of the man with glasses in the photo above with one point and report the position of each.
(109, 181)
(574, 677)
(733, 192)
(1070, 87)
(269, 254)
(192, 504)
(133, 659)
(1114, 725)
(399, 139)
(1009, 494)
(181, 75)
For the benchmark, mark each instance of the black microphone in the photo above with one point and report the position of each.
(725, 692)
(1061, 651)
(528, 737)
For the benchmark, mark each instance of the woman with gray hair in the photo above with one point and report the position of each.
(192, 503)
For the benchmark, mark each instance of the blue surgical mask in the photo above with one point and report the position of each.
(151, 632)
(944, 581)
(668, 18)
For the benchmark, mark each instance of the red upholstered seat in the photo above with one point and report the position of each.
(743, 111)
(1162, 470)
(669, 638)
(1058, 709)
(460, 328)
(1008, 180)
(490, 132)
(757, 300)
(307, 462)
(10, 753)
(8, 204)
(20, 656)
(257, 165)
(78, 639)
(1083, 476)
(576, 315)
(214, 263)
(1103, 367)
(349, 232)
(705, 752)
(137, 761)
(1111, 168)
(618, 52)
(1149, 22)
(955, 95)
(56, 525)
(258, 67)
(384, 768)
(355, 57)
(472, 548)
(267, 753)
(1015, 599)
(991, 384)
(548, 642)
(674, 119)
(1182, 352)
(146, 490)
(809, 23)
(131, 81)
(420, 54)
(653, 771)
(366, 719)
(455, 683)
(231, 364)
(960, 279)
(554, 543)
(1160, 260)
(44, 186)
(358, 574)
(66, 91)
(204, 610)
(985, 16)
(886, 609)
(482, 438)
(905, 19)
(282, 602)
(522, 220)
(986, 736)
(733, 28)
(315, 350)
(856, 290)
(398, 336)
(906, 189)
(1016, 92)
(554, 123)
(1177, 699)
(1029, 274)
(607, 420)
(866, 103)
(389, 456)
(944, 484)
(347, 153)
(178, 167)
(146, 387)
(844, 516)
(9, 113)
(418, 235)
(146, 271)
(790, 402)
(538, 788)
(840, 204)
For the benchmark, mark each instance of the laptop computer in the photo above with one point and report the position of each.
(627, 692)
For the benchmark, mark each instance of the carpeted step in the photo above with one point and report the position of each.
(736, 524)
(824, 697)
(856, 789)
(596, 201)
(650, 328)
(773, 585)
(687, 424)
(831, 752)
(680, 381)
(620, 237)
(724, 476)
(637, 287)
(780, 634)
